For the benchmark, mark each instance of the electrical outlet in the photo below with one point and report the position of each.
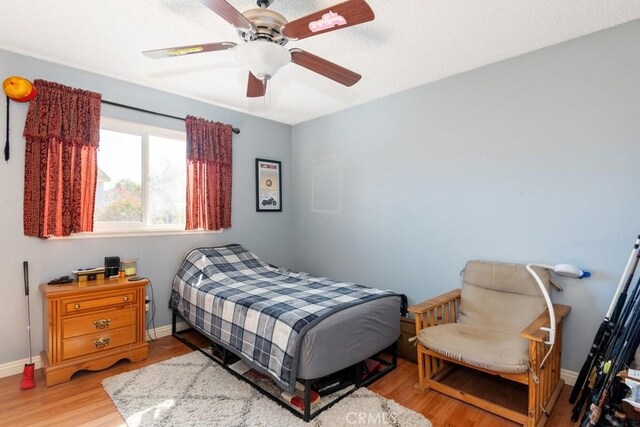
(146, 303)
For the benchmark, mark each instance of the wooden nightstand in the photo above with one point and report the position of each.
(91, 325)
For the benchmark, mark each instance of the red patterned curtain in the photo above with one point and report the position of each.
(208, 174)
(62, 134)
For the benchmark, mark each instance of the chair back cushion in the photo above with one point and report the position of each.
(500, 297)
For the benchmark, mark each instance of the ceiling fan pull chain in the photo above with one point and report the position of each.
(264, 98)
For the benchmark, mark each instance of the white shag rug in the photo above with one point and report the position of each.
(192, 390)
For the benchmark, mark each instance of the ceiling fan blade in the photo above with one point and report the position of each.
(228, 13)
(255, 87)
(324, 67)
(188, 50)
(351, 12)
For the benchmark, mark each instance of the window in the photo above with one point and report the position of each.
(141, 184)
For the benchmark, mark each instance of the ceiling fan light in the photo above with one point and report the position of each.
(263, 58)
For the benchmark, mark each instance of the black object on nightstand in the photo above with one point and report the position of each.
(111, 266)
(60, 280)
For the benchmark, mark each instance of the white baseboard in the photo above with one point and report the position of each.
(13, 368)
(569, 377)
(162, 331)
(16, 367)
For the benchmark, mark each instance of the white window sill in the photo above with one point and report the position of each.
(134, 233)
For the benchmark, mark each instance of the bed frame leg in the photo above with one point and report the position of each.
(358, 374)
(394, 354)
(307, 401)
(173, 322)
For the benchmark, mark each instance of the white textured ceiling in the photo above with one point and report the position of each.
(410, 43)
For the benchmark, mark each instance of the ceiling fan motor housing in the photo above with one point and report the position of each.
(263, 58)
(267, 26)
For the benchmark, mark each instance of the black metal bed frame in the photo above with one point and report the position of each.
(226, 357)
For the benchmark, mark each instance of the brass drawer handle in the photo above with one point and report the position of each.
(101, 323)
(101, 342)
(77, 306)
(125, 297)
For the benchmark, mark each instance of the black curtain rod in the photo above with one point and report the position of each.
(235, 130)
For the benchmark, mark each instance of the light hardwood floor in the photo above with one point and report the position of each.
(83, 401)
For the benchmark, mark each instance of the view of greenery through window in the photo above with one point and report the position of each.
(124, 170)
(167, 180)
(119, 187)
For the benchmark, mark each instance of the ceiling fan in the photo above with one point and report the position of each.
(266, 32)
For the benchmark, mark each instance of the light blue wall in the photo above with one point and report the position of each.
(534, 159)
(269, 235)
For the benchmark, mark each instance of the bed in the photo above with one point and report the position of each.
(288, 325)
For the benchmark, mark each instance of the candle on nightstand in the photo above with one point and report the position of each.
(130, 266)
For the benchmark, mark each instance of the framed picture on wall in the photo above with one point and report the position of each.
(268, 185)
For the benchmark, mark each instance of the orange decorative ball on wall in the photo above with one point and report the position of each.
(19, 89)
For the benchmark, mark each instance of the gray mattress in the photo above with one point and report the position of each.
(349, 336)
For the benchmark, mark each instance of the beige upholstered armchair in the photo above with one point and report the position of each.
(492, 325)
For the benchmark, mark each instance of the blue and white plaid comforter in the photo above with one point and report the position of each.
(256, 309)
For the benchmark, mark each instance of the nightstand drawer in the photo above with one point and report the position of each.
(78, 304)
(94, 343)
(103, 321)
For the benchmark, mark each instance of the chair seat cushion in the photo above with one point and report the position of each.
(478, 347)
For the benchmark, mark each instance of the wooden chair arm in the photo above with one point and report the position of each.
(436, 311)
(429, 304)
(533, 331)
